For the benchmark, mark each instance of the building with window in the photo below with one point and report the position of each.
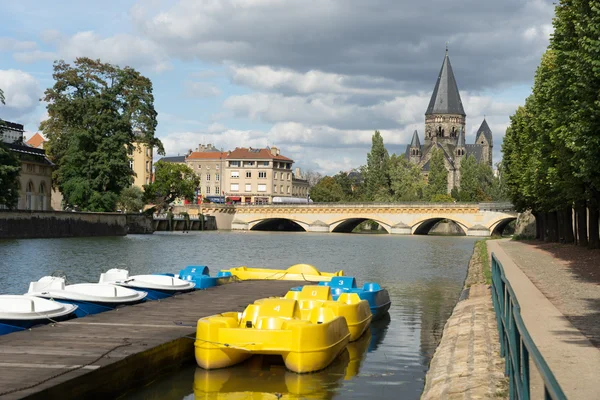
(208, 163)
(140, 161)
(257, 175)
(35, 177)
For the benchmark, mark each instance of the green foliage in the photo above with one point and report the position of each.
(477, 182)
(406, 180)
(131, 199)
(375, 173)
(10, 167)
(481, 246)
(438, 175)
(346, 184)
(327, 190)
(96, 112)
(442, 198)
(171, 181)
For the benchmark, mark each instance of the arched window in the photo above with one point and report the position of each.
(29, 196)
(42, 205)
(440, 131)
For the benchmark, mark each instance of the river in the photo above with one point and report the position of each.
(423, 274)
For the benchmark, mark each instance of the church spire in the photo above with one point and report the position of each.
(445, 98)
(461, 139)
(415, 142)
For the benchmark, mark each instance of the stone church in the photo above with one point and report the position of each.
(445, 120)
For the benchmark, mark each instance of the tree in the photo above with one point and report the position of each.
(406, 180)
(437, 182)
(376, 170)
(131, 199)
(96, 111)
(10, 167)
(327, 190)
(171, 181)
(312, 177)
(476, 180)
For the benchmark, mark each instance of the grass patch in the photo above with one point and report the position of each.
(485, 262)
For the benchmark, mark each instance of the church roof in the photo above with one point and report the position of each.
(484, 130)
(415, 140)
(475, 150)
(445, 98)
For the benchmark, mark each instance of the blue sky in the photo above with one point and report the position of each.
(312, 79)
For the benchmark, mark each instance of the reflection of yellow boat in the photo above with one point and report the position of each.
(273, 326)
(259, 378)
(298, 272)
(349, 305)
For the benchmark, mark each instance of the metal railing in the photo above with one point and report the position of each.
(516, 345)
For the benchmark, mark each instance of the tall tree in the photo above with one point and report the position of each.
(376, 177)
(327, 190)
(437, 183)
(406, 180)
(171, 181)
(96, 111)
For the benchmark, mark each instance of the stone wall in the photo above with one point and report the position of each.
(56, 224)
(139, 224)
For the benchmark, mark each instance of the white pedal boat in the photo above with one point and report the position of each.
(157, 286)
(91, 298)
(20, 312)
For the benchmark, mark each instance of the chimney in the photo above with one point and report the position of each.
(274, 151)
(297, 173)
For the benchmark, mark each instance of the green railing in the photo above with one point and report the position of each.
(516, 346)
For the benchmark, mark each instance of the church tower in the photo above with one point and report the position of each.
(415, 149)
(484, 138)
(445, 116)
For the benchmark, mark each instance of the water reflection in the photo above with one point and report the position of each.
(378, 330)
(264, 377)
(423, 275)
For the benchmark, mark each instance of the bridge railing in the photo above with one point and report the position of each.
(482, 206)
(516, 345)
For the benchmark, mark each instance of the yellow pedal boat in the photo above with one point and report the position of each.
(298, 272)
(273, 326)
(349, 305)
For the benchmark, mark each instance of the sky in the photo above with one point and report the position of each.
(314, 79)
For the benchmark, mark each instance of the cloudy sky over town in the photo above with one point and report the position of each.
(312, 78)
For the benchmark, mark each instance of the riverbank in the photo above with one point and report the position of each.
(467, 362)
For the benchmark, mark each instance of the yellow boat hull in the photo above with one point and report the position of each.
(298, 272)
(271, 327)
(355, 311)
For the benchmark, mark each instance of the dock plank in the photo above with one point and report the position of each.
(104, 355)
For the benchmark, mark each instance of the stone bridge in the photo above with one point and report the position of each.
(474, 219)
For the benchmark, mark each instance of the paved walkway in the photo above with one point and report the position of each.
(467, 362)
(575, 295)
(551, 298)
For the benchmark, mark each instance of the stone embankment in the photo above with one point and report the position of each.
(23, 224)
(467, 362)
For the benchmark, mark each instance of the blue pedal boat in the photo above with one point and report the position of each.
(90, 298)
(378, 298)
(21, 312)
(158, 286)
(200, 275)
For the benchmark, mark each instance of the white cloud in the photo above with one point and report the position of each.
(201, 89)
(22, 92)
(29, 57)
(314, 81)
(11, 44)
(121, 49)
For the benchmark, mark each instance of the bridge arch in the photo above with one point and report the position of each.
(423, 226)
(347, 225)
(278, 224)
(497, 227)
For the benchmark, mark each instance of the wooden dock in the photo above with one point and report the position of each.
(107, 354)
